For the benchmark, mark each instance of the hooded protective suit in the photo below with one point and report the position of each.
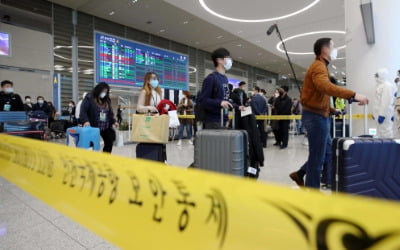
(385, 98)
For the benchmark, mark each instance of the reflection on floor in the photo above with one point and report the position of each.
(27, 223)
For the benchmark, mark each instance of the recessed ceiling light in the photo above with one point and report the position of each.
(219, 37)
(239, 45)
(333, 66)
(162, 30)
(279, 45)
(111, 13)
(240, 31)
(134, 1)
(240, 57)
(197, 42)
(185, 22)
(258, 41)
(203, 4)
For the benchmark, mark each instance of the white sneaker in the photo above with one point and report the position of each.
(179, 143)
(190, 142)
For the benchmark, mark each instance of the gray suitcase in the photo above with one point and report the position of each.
(222, 150)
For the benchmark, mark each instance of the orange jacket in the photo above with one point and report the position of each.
(317, 89)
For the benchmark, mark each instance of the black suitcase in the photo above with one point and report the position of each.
(151, 151)
(60, 126)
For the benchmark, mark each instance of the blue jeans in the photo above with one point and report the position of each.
(188, 127)
(299, 127)
(319, 147)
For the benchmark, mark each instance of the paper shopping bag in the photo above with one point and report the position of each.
(150, 129)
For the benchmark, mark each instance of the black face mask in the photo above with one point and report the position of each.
(281, 93)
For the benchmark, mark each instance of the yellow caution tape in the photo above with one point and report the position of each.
(282, 117)
(138, 204)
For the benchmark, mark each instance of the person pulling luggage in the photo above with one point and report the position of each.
(96, 111)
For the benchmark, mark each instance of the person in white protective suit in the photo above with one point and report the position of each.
(385, 98)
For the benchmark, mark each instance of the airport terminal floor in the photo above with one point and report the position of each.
(28, 223)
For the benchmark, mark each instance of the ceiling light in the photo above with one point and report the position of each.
(279, 45)
(239, 45)
(162, 30)
(333, 66)
(258, 41)
(192, 69)
(240, 31)
(240, 57)
(185, 22)
(70, 47)
(197, 42)
(203, 4)
(219, 37)
(111, 13)
(134, 1)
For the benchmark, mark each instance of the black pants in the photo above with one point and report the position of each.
(212, 125)
(261, 128)
(108, 136)
(284, 132)
(119, 119)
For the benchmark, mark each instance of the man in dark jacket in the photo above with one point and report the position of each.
(259, 107)
(10, 101)
(283, 106)
(215, 91)
(42, 105)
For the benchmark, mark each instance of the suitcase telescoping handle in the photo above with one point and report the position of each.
(351, 101)
(222, 118)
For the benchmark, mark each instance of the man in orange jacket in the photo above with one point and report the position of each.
(315, 98)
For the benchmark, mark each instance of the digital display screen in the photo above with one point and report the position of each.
(234, 82)
(5, 44)
(124, 62)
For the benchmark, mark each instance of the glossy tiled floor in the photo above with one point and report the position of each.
(27, 223)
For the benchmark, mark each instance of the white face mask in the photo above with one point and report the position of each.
(334, 54)
(276, 95)
(28, 100)
(228, 63)
(102, 95)
(40, 101)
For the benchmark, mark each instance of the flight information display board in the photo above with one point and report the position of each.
(123, 62)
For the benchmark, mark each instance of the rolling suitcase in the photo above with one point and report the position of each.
(222, 150)
(151, 151)
(366, 166)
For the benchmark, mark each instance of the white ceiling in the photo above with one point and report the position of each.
(186, 21)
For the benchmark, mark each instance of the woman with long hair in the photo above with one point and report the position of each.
(96, 111)
(185, 107)
(150, 96)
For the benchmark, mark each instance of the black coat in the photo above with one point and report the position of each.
(13, 99)
(44, 107)
(89, 112)
(283, 105)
